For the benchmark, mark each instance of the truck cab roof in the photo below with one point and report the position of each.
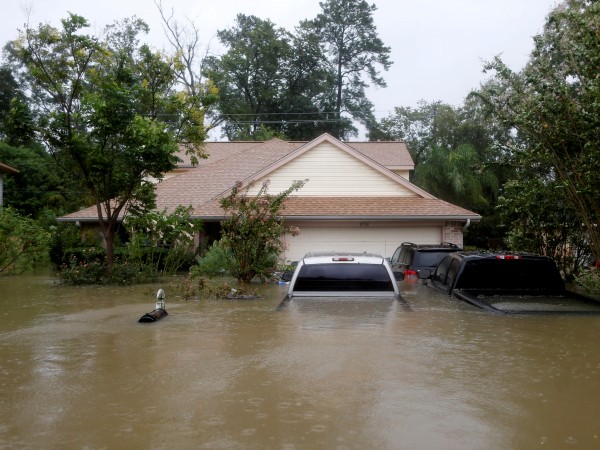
(497, 271)
(338, 257)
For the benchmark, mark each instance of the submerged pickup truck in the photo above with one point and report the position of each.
(342, 276)
(509, 284)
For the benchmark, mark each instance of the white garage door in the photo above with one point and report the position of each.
(382, 240)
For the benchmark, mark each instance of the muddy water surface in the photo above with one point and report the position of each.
(78, 371)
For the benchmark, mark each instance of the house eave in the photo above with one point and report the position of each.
(382, 218)
(421, 218)
(472, 218)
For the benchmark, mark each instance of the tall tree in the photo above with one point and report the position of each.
(414, 125)
(16, 123)
(188, 64)
(349, 36)
(457, 175)
(249, 75)
(107, 111)
(553, 104)
(431, 124)
(459, 155)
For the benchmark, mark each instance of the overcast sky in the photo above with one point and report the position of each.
(437, 45)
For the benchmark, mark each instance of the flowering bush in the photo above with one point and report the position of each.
(251, 235)
(163, 242)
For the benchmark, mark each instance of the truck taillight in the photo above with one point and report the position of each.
(410, 273)
(508, 257)
(342, 258)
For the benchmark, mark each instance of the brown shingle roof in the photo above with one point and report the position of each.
(202, 186)
(382, 208)
(391, 154)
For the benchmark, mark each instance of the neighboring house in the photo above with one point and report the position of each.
(357, 198)
(4, 168)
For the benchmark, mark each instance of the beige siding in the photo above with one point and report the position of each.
(332, 172)
(403, 173)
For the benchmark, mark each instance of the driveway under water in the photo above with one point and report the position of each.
(78, 371)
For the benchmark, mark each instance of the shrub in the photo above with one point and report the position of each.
(88, 271)
(213, 262)
(589, 280)
(163, 242)
(252, 234)
(22, 242)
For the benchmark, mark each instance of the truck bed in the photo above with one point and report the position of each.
(565, 303)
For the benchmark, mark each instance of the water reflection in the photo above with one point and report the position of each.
(78, 371)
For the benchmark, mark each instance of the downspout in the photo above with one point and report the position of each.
(467, 225)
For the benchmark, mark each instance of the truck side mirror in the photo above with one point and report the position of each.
(424, 274)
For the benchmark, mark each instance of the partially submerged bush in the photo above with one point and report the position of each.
(196, 286)
(589, 281)
(77, 272)
(252, 234)
(214, 261)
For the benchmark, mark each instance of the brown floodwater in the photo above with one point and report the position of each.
(78, 371)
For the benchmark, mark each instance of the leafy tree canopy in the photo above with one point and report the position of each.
(107, 110)
(349, 35)
(304, 83)
(553, 106)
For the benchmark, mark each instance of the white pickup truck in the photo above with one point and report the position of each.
(338, 276)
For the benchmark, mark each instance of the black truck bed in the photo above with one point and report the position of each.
(565, 303)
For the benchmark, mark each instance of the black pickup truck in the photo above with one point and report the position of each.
(509, 284)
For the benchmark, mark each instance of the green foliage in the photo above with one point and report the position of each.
(299, 84)
(540, 220)
(456, 176)
(418, 127)
(271, 82)
(163, 242)
(194, 285)
(553, 106)
(38, 187)
(260, 133)
(191, 286)
(349, 36)
(251, 235)
(589, 280)
(227, 291)
(16, 121)
(213, 262)
(93, 271)
(107, 111)
(22, 242)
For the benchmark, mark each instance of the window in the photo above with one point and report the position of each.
(442, 270)
(396, 255)
(452, 271)
(344, 278)
(517, 274)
